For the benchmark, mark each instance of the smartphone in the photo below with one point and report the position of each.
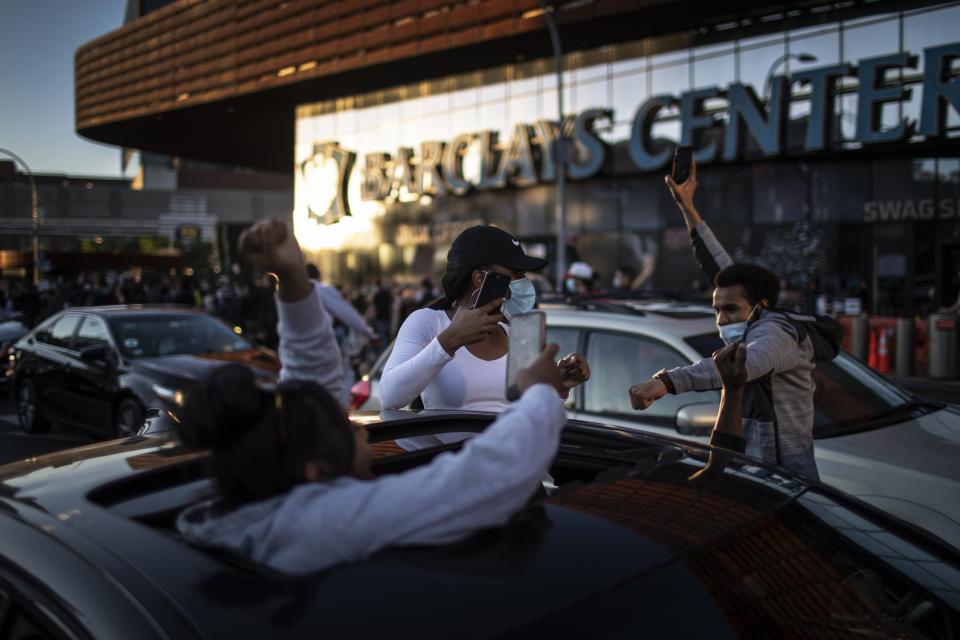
(682, 158)
(527, 339)
(494, 285)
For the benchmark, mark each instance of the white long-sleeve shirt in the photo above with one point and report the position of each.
(319, 524)
(419, 366)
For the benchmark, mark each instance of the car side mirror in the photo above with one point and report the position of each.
(96, 353)
(697, 419)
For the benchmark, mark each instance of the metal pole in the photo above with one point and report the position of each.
(905, 348)
(560, 153)
(34, 214)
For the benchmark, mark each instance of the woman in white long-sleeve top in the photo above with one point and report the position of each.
(453, 356)
(296, 488)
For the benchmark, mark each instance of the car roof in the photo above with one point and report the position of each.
(678, 321)
(136, 309)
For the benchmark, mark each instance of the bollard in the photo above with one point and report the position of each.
(859, 337)
(942, 345)
(904, 355)
(883, 350)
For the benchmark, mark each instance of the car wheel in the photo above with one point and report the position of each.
(128, 418)
(27, 412)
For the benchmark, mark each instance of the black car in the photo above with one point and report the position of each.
(100, 368)
(619, 543)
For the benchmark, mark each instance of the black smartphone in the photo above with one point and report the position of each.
(494, 285)
(682, 158)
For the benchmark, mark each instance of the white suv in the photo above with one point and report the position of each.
(874, 439)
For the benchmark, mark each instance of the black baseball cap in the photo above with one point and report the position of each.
(484, 244)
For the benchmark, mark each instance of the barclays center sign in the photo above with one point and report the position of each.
(531, 152)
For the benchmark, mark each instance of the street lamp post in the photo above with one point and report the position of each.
(34, 214)
(560, 153)
(802, 57)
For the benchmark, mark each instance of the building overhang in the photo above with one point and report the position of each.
(221, 82)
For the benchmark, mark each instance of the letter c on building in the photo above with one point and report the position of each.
(641, 144)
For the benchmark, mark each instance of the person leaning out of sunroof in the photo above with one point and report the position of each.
(296, 489)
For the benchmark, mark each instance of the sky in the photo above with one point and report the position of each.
(38, 39)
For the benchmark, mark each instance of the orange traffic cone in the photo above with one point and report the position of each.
(883, 352)
(872, 356)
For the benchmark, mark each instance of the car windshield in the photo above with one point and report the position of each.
(849, 396)
(150, 336)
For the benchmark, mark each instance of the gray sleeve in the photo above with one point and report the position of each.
(710, 254)
(771, 348)
(308, 349)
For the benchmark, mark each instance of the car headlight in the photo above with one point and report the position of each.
(170, 395)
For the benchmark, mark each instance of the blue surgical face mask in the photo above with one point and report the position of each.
(523, 297)
(732, 332)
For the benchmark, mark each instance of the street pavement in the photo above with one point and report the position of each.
(16, 444)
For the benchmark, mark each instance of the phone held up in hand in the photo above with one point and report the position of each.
(527, 340)
(494, 285)
(682, 159)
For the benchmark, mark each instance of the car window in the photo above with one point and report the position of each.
(618, 361)
(150, 336)
(848, 396)
(60, 333)
(92, 332)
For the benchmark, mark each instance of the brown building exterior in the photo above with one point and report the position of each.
(828, 134)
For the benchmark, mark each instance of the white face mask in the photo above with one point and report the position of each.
(523, 297)
(732, 332)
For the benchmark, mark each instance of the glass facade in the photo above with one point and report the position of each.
(857, 214)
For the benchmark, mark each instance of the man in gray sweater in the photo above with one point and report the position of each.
(780, 353)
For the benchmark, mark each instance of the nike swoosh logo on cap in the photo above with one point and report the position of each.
(516, 243)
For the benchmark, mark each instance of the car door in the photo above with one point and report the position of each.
(617, 361)
(52, 355)
(91, 385)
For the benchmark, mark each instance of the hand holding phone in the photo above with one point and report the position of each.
(682, 183)
(682, 161)
(543, 370)
(527, 335)
(470, 326)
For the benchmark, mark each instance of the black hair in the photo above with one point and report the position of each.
(260, 441)
(454, 284)
(312, 272)
(758, 283)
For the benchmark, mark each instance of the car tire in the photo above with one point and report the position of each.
(127, 418)
(28, 412)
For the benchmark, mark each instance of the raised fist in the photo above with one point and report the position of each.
(271, 245)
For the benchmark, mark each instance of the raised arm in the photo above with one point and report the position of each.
(308, 348)
(710, 254)
(342, 310)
